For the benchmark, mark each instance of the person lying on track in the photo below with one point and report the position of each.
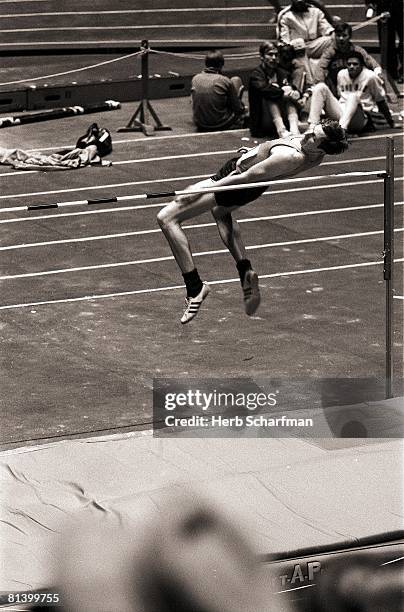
(270, 160)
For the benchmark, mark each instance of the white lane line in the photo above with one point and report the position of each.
(209, 134)
(135, 262)
(142, 161)
(248, 220)
(30, 245)
(207, 154)
(145, 139)
(94, 187)
(378, 136)
(398, 297)
(191, 135)
(167, 157)
(360, 159)
(174, 287)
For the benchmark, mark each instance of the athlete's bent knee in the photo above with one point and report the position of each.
(162, 218)
(166, 216)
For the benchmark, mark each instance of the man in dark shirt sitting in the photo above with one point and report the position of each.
(272, 99)
(216, 99)
(335, 58)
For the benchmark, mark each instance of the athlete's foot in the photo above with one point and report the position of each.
(194, 304)
(251, 292)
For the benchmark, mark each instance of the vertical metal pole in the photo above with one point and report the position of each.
(145, 80)
(388, 261)
(383, 25)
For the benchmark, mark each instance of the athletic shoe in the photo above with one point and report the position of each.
(251, 292)
(194, 304)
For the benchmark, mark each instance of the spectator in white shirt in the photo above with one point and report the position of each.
(359, 90)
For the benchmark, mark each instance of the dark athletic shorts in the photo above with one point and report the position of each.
(236, 197)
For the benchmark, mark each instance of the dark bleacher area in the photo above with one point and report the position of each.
(51, 25)
(50, 37)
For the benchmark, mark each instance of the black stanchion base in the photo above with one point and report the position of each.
(146, 128)
(140, 125)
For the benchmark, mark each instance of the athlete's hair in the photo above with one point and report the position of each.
(214, 59)
(336, 142)
(343, 26)
(356, 55)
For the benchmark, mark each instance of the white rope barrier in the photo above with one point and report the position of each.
(230, 57)
(233, 56)
(238, 56)
(56, 74)
(371, 21)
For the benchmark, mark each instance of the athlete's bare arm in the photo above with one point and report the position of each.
(282, 162)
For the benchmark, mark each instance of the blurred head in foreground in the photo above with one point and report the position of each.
(187, 558)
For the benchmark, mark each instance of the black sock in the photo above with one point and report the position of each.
(193, 283)
(243, 266)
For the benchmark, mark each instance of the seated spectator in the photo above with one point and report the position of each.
(304, 69)
(277, 8)
(302, 20)
(216, 99)
(272, 99)
(335, 58)
(359, 90)
(331, 19)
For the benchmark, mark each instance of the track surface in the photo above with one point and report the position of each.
(78, 366)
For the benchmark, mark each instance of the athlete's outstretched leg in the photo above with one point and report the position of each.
(170, 219)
